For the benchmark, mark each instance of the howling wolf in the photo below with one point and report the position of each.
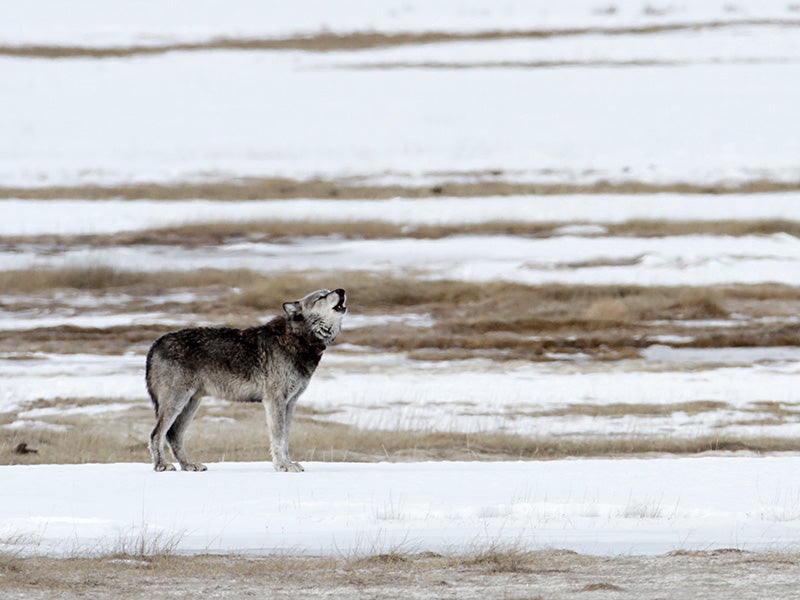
(271, 364)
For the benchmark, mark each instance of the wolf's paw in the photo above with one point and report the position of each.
(194, 467)
(164, 467)
(289, 467)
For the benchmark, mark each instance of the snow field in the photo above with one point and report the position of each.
(384, 391)
(705, 105)
(215, 115)
(72, 217)
(606, 507)
(543, 121)
(676, 260)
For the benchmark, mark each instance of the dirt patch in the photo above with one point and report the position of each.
(551, 574)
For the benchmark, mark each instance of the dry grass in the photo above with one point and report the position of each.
(493, 572)
(621, 409)
(103, 278)
(326, 41)
(78, 278)
(241, 436)
(500, 320)
(656, 228)
(452, 186)
(677, 303)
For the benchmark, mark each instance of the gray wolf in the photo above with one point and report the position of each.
(271, 364)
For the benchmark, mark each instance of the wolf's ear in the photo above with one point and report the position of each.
(291, 308)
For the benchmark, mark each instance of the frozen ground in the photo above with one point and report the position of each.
(607, 507)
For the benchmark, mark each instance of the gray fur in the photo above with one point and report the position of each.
(271, 364)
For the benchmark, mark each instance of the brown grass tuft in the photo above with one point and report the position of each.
(602, 586)
(615, 310)
(502, 559)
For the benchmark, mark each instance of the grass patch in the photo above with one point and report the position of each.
(373, 291)
(143, 543)
(325, 41)
(528, 575)
(498, 320)
(463, 185)
(242, 436)
(103, 278)
(622, 409)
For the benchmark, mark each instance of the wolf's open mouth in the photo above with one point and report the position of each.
(340, 307)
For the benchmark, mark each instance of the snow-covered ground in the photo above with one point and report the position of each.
(720, 110)
(578, 253)
(591, 506)
(713, 100)
(668, 390)
(65, 217)
(569, 259)
(218, 116)
(132, 22)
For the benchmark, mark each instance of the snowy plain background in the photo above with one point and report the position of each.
(716, 105)
(713, 100)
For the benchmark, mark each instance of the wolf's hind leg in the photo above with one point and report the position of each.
(169, 407)
(176, 431)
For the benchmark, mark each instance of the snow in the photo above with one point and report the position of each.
(34, 377)
(388, 391)
(217, 115)
(14, 322)
(593, 506)
(703, 105)
(65, 217)
(569, 259)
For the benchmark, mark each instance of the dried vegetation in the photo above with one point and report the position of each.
(499, 320)
(464, 185)
(236, 432)
(488, 571)
(326, 41)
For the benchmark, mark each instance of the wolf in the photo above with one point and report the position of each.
(272, 364)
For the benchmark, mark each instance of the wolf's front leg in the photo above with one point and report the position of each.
(278, 426)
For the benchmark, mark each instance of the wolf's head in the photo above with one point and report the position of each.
(319, 314)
